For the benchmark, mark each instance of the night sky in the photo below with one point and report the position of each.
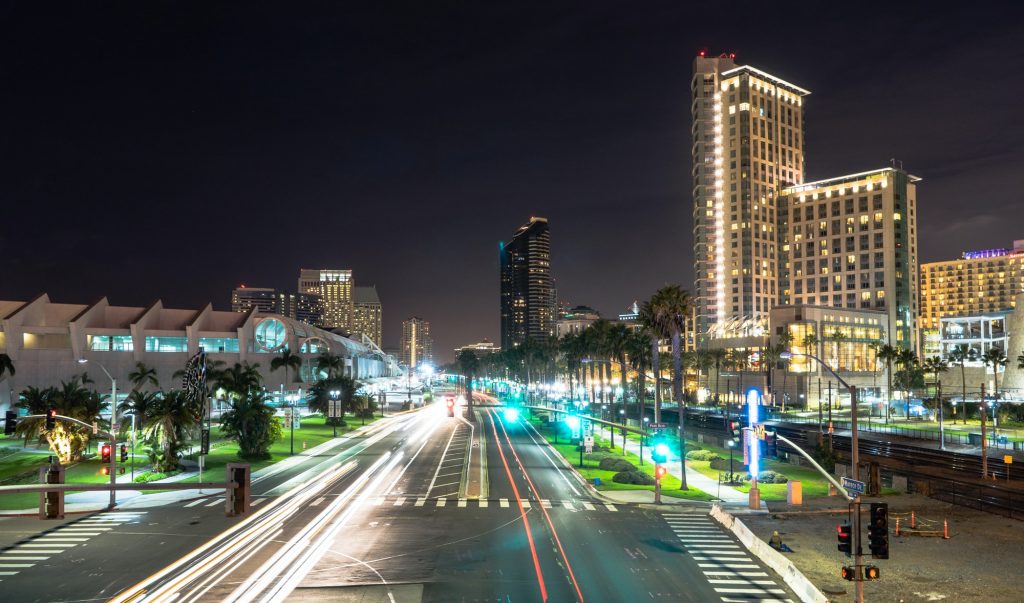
(175, 150)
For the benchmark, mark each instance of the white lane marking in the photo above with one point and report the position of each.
(568, 505)
(79, 532)
(56, 547)
(443, 454)
(462, 502)
(483, 503)
(316, 503)
(8, 573)
(737, 581)
(526, 504)
(750, 591)
(759, 600)
(699, 539)
(58, 538)
(421, 501)
(503, 502)
(588, 506)
(610, 507)
(442, 501)
(257, 502)
(196, 502)
(399, 501)
(16, 564)
(731, 573)
(545, 503)
(23, 558)
(544, 451)
(214, 503)
(732, 565)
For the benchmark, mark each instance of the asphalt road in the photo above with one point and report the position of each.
(422, 507)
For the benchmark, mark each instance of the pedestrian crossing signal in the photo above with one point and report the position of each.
(660, 472)
(849, 573)
(871, 572)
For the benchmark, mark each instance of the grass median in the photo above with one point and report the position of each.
(590, 471)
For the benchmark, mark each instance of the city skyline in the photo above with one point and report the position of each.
(613, 192)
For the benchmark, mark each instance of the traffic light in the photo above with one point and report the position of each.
(660, 472)
(10, 422)
(871, 572)
(51, 418)
(105, 454)
(878, 531)
(124, 453)
(659, 452)
(734, 428)
(844, 535)
(849, 573)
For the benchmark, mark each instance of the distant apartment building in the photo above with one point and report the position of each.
(262, 299)
(481, 349)
(576, 320)
(977, 283)
(304, 307)
(367, 314)
(851, 242)
(335, 290)
(417, 345)
(748, 143)
(527, 291)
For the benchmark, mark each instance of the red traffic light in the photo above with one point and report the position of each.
(105, 470)
(660, 471)
(450, 401)
(105, 453)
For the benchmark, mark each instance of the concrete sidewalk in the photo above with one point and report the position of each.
(730, 497)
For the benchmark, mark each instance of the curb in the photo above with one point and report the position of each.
(793, 577)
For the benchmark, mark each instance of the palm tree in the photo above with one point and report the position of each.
(771, 355)
(6, 366)
(907, 360)
(240, 380)
(319, 396)
(718, 359)
(936, 365)
(617, 343)
(251, 423)
(996, 358)
(810, 343)
(330, 364)
(469, 364)
(139, 404)
(599, 338)
(837, 337)
(72, 399)
(143, 375)
(786, 341)
(961, 354)
(639, 349)
(887, 354)
(289, 361)
(172, 420)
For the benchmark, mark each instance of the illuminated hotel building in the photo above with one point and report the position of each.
(748, 143)
(368, 318)
(335, 290)
(978, 282)
(417, 344)
(527, 290)
(851, 242)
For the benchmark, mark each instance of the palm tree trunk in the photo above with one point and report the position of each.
(963, 381)
(656, 369)
(677, 368)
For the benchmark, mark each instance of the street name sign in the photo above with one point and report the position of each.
(853, 486)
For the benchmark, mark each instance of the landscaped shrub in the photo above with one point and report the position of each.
(616, 464)
(702, 455)
(633, 477)
(771, 477)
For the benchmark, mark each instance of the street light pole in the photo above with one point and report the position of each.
(113, 430)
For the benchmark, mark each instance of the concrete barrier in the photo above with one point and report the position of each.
(805, 591)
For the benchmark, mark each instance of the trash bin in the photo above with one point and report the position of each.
(1002, 440)
(974, 439)
(597, 481)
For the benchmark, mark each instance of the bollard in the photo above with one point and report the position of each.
(945, 530)
(913, 522)
(897, 526)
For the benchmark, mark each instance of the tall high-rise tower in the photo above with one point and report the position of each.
(527, 291)
(748, 141)
(335, 290)
(417, 344)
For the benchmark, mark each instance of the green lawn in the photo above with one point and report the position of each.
(670, 484)
(85, 472)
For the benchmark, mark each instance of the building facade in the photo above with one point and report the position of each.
(368, 314)
(851, 242)
(481, 349)
(417, 345)
(748, 143)
(304, 307)
(47, 341)
(979, 332)
(334, 287)
(261, 299)
(976, 283)
(527, 290)
(576, 320)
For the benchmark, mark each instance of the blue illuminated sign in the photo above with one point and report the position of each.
(754, 449)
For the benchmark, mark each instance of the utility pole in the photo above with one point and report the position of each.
(830, 428)
(942, 432)
(858, 560)
(984, 440)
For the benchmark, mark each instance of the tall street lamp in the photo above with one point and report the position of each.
(335, 395)
(291, 419)
(858, 583)
(113, 430)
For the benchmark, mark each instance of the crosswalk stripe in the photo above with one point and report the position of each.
(257, 502)
(732, 573)
(399, 501)
(58, 538)
(50, 546)
(214, 503)
(483, 503)
(568, 505)
(442, 501)
(759, 600)
(462, 502)
(610, 507)
(421, 501)
(8, 573)
(17, 564)
(503, 502)
(24, 558)
(80, 532)
(588, 506)
(317, 502)
(196, 502)
(750, 591)
(526, 504)
(378, 501)
(545, 503)
(738, 581)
